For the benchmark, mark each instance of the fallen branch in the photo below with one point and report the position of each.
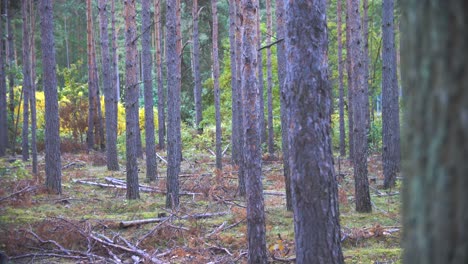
(125, 224)
(217, 229)
(24, 190)
(224, 151)
(78, 164)
(381, 194)
(161, 158)
(275, 193)
(271, 44)
(212, 152)
(284, 260)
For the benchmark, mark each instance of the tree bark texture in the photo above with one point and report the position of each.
(92, 78)
(261, 101)
(271, 135)
(219, 154)
(115, 58)
(3, 89)
(435, 74)
(109, 90)
(313, 183)
(32, 21)
(239, 100)
(349, 71)
(53, 165)
(390, 102)
(159, 75)
(252, 152)
(11, 63)
(197, 92)
(173, 105)
(365, 56)
(281, 58)
(360, 109)
(151, 159)
(131, 98)
(26, 59)
(340, 78)
(235, 140)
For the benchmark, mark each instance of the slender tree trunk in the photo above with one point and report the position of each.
(360, 109)
(151, 161)
(315, 189)
(3, 89)
(197, 92)
(261, 101)
(340, 77)
(109, 90)
(390, 104)
(92, 81)
(33, 89)
(66, 40)
(26, 78)
(219, 155)
(53, 165)
(365, 56)
(281, 60)
(173, 104)
(239, 100)
(349, 70)
(235, 141)
(271, 138)
(11, 63)
(434, 68)
(115, 61)
(159, 75)
(131, 98)
(252, 152)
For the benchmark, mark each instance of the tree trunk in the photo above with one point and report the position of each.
(11, 63)
(340, 77)
(365, 56)
(349, 70)
(53, 165)
(3, 90)
(434, 67)
(271, 138)
(159, 76)
(315, 189)
(239, 102)
(173, 105)
(390, 102)
(235, 140)
(92, 78)
(115, 60)
(109, 91)
(261, 101)
(26, 59)
(197, 92)
(33, 89)
(151, 160)
(131, 98)
(219, 155)
(281, 58)
(252, 152)
(360, 109)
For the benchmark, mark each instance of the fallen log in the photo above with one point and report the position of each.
(275, 193)
(124, 224)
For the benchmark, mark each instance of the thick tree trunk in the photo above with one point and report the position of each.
(26, 78)
(109, 90)
(261, 101)
(252, 152)
(131, 98)
(219, 155)
(33, 89)
(173, 105)
(197, 88)
(53, 165)
(360, 109)
(239, 102)
(390, 102)
(340, 79)
(235, 140)
(434, 67)
(281, 58)
(159, 69)
(151, 160)
(3, 89)
(271, 136)
(315, 189)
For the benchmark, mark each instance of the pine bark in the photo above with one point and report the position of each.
(131, 98)
(365, 56)
(109, 90)
(239, 100)
(53, 165)
(11, 63)
(252, 152)
(434, 68)
(261, 101)
(349, 71)
(197, 92)
(235, 140)
(219, 155)
(271, 136)
(92, 80)
(340, 78)
(115, 59)
(33, 88)
(3, 89)
(315, 189)
(159, 75)
(26, 59)
(360, 109)
(390, 100)
(173, 104)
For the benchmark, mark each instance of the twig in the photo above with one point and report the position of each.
(217, 229)
(152, 231)
(233, 225)
(224, 151)
(161, 158)
(220, 249)
(124, 224)
(212, 153)
(275, 193)
(284, 260)
(271, 44)
(24, 190)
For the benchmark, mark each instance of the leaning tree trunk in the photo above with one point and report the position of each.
(151, 161)
(271, 136)
(131, 98)
(109, 90)
(219, 155)
(26, 78)
(360, 109)
(53, 165)
(315, 189)
(390, 102)
(434, 67)
(252, 152)
(235, 141)
(197, 88)
(340, 79)
(159, 68)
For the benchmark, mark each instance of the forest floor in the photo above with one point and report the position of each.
(86, 223)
